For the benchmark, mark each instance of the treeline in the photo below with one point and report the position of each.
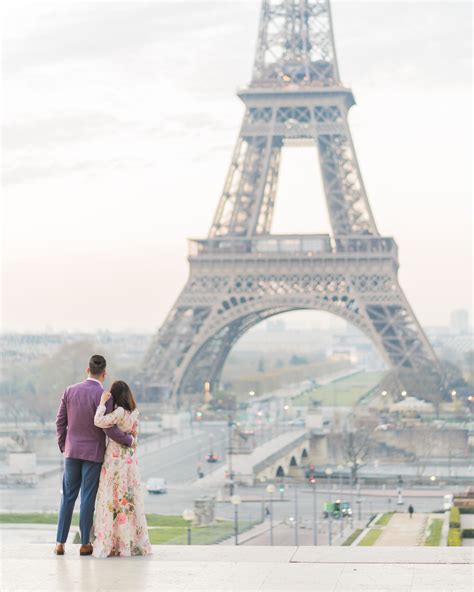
(33, 391)
(274, 378)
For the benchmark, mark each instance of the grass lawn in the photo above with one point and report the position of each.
(370, 537)
(162, 529)
(52, 518)
(164, 534)
(384, 519)
(164, 520)
(344, 392)
(205, 535)
(33, 518)
(434, 537)
(348, 542)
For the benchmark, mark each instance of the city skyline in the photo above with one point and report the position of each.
(106, 153)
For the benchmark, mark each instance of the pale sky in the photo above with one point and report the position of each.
(119, 123)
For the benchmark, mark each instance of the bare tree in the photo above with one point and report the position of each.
(425, 441)
(356, 448)
(65, 367)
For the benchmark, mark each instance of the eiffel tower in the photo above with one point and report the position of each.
(241, 274)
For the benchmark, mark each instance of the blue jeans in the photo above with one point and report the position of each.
(78, 475)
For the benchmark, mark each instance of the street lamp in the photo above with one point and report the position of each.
(341, 517)
(404, 393)
(340, 468)
(235, 500)
(251, 393)
(399, 491)
(188, 515)
(359, 502)
(271, 490)
(222, 430)
(350, 464)
(432, 479)
(207, 392)
(230, 425)
(315, 511)
(296, 515)
(328, 472)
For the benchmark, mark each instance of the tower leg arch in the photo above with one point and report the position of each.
(218, 306)
(205, 363)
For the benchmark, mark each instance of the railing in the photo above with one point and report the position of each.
(308, 245)
(292, 128)
(365, 244)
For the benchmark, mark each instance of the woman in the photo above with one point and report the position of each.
(120, 521)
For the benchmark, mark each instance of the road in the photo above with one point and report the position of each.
(177, 461)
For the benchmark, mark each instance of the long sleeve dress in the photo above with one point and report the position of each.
(120, 521)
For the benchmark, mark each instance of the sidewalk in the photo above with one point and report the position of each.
(284, 534)
(253, 533)
(403, 531)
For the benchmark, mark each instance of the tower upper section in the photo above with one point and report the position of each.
(295, 45)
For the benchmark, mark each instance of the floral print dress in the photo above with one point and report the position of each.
(120, 521)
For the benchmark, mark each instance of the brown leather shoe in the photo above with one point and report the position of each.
(86, 550)
(59, 549)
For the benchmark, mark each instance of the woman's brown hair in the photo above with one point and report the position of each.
(123, 396)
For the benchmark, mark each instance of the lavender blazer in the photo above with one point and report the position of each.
(77, 435)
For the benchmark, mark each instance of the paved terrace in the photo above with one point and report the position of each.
(396, 569)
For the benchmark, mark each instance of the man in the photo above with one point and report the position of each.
(83, 445)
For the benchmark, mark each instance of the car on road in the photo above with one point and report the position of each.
(298, 422)
(156, 485)
(212, 458)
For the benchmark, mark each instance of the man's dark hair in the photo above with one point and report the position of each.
(97, 365)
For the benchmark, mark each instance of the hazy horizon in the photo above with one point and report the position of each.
(120, 120)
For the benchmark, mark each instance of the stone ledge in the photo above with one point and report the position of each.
(386, 555)
(253, 569)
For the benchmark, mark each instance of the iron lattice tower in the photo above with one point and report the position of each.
(242, 274)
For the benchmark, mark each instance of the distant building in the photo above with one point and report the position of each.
(459, 322)
(411, 405)
(24, 348)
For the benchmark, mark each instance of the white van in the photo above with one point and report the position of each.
(156, 485)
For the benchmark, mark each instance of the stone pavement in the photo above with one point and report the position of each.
(31, 533)
(284, 534)
(403, 531)
(253, 569)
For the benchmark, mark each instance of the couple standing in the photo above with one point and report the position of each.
(106, 470)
